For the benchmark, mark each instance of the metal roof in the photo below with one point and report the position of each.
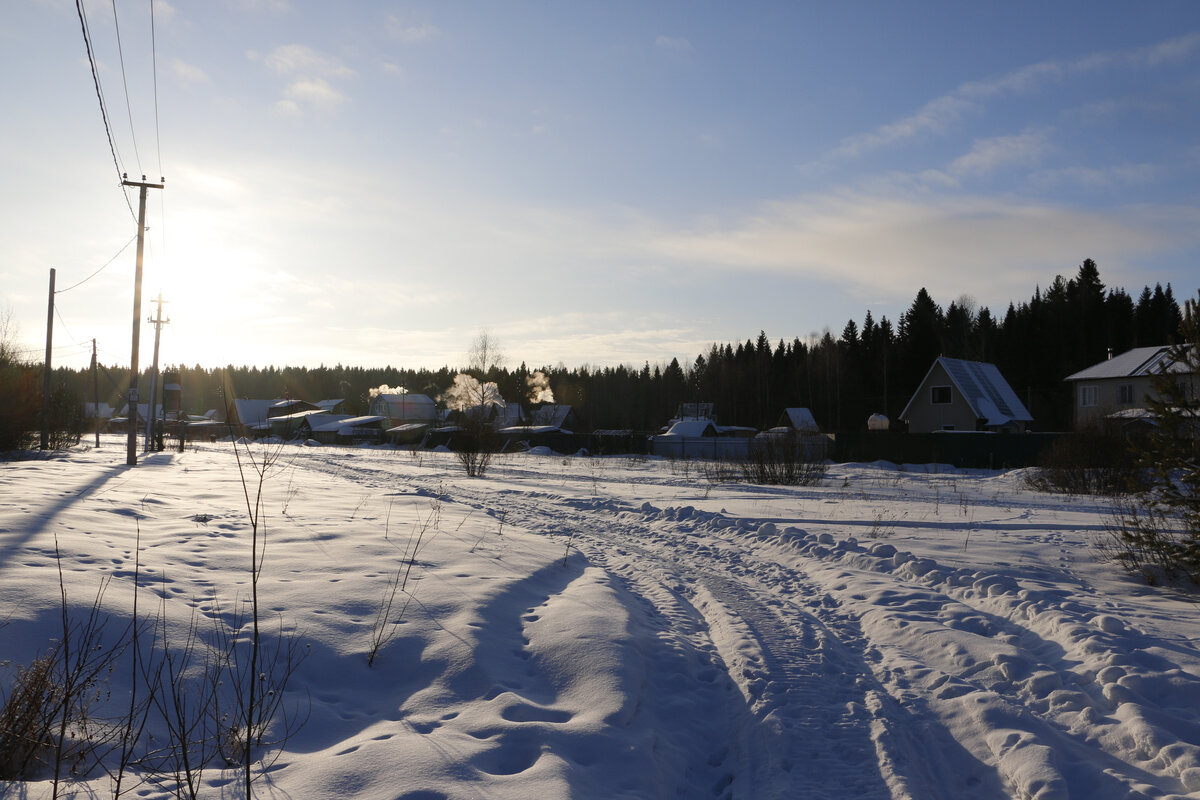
(984, 389)
(1132, 363)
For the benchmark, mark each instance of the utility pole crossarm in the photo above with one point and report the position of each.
(142, 183)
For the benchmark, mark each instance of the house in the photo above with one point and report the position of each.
(403, 408)
(959, 395)
(244, 416)
(283, 408)
(797, 429)
(1118, 387)
(800, 420)
(554, 415)
(336, 405)
(498, 414)
(702, 438)
(288, 426)
(341, 428)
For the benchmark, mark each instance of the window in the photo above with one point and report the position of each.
(1087, 396)
(939, 395)
(1125, 394)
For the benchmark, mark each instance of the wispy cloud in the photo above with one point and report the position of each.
(275, 6)
(677, 44)
(188, 72)
(409, 30)
(315, 92)
(942, 113)
(875, 242)
(1098, 178)
(988, 155)
(309, 72)
(298, 59)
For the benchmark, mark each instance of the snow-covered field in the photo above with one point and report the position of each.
(577, 627)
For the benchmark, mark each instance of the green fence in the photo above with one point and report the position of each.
(962, 449)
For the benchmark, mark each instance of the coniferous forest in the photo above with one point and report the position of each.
(843, 377)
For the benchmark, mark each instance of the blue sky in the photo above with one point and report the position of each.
(374, 183)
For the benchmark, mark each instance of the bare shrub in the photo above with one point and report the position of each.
(783, 461)
(1096, 460)
(477, 446)
(48, 722)
(27, 718)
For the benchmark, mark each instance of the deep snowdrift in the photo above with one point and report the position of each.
(604, 628)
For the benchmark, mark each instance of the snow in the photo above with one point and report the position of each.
(583, 627)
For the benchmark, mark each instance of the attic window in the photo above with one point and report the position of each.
(939, 395)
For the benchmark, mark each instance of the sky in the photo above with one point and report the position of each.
(375, 183)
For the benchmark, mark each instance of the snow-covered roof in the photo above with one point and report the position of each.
(983, 387)
(249, 412)
(331, 404)
(800, 418)
(552, 414)
(406, 399)
(692, 427)
(530, 430)
(408, 427)
(1132, 363)
(350, 426)
(296, 416)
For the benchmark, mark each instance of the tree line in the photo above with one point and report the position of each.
(871, 367)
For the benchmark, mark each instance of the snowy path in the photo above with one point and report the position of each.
(591, 628)
(863, 671)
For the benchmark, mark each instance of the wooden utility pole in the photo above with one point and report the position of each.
(95, 396)
(46, 375)
(131, 449)
(157, 322)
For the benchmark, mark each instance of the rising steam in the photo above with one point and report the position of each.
(467, 392)
(539, 388)
(385, 389)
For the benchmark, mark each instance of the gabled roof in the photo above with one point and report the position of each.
(982, 386)
(249, 412)
(1131, 364)
(799, 418)
(692, 427)
(551, 414)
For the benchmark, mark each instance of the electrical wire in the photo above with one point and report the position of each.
(154, 73)
(97, 272)
(58, 313)
(87, 41)
(125, 83)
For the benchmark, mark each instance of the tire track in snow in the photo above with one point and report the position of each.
(1052, 698)
(810, 719)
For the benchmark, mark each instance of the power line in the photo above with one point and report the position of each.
(106, 263)
(87, 40)
(154, 72)
(125, 83)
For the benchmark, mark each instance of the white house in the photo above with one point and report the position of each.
(1118, 387)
